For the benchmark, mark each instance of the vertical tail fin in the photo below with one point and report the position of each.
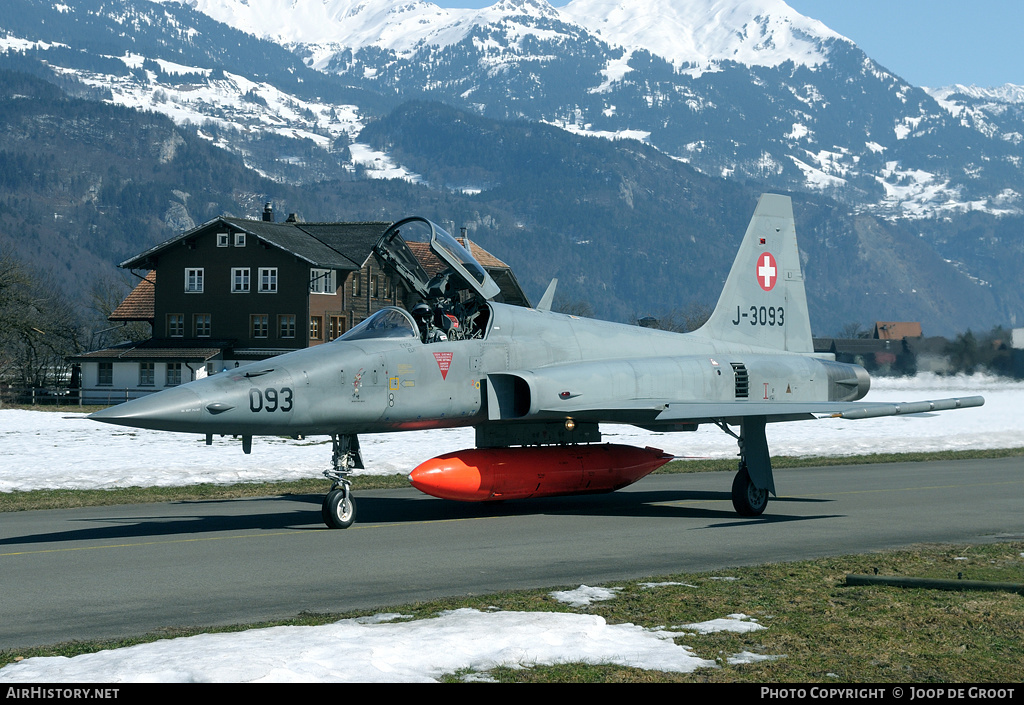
(763, 303)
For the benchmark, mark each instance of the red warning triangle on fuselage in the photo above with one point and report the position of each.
(444, 363)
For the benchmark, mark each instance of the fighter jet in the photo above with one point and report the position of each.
(537, 385)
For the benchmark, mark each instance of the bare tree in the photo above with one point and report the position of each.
(682, 320)
(106, 295)
(39, 327)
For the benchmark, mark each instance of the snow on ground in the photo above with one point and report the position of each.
(376, 649)
(43, 450)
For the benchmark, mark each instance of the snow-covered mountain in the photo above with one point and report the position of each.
(747, 89)
(703, 33)
(697, 33)
(742, 89)
(749, 93)
(997, 112)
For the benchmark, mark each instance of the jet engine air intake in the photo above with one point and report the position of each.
(509, 396)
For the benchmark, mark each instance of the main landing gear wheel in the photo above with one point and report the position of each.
(339, 509)
(747, 499)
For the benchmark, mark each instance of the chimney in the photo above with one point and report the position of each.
(268, 212)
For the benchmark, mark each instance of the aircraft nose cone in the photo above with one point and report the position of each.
(177, 409)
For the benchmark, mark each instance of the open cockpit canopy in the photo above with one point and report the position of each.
(459, 270)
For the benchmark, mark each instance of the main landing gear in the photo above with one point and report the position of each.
(339, 507)
(747, 499)
(753, 482)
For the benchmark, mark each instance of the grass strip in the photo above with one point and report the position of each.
(818, 629)
(67, 499)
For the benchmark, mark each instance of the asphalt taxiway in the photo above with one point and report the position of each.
(107, 572)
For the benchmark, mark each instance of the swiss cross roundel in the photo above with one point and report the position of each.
(767, 272)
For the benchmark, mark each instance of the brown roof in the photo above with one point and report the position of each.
(897, 330)
(432, 264)
(138, 305)
(157, 349)
(342, 246)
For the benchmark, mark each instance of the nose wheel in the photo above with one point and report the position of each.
(339, 508)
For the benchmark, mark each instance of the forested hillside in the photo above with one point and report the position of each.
(625, 228)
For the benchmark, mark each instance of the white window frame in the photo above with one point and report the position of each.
(239, 239)
(223, 239)
(243, 287)
(322, 281)
(194, 277)
(268, 280)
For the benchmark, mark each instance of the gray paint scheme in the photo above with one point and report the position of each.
(750, 364)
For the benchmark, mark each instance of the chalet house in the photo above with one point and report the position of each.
(235, 290)
(891, 347)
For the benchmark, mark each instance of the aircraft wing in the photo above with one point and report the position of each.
(792, 411)
(654, 411)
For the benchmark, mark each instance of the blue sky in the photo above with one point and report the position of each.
(926, 42)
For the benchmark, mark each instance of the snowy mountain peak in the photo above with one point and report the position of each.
(534, 8)
(348, 23)
(695, 33)
(700, 32)
(1007, 93)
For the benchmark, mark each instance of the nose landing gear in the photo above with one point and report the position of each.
(339, 507)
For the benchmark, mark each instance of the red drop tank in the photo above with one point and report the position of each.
(483, 474)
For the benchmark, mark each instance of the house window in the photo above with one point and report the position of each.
(239, 280)
(286, 326)
(268, 280)
(336, 326)
(258, 325)
(193, 281)
(147, 374)
(173, 374)
(175, 325)
(357, 283)
(321, 281)
(106, 375)
(316, 326)
(201, 325)
(223, 239)
(239, 239)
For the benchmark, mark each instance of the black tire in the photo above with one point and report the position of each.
(747, 499)
(338, 512)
